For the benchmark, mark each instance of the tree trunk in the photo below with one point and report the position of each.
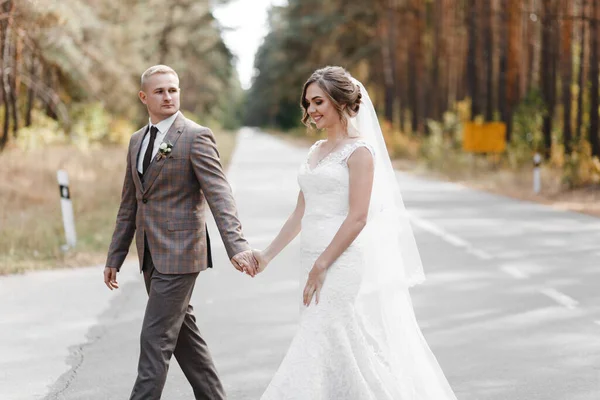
(513, 58)
(436, 60)
(534, 46)
(531, 44)
(4, 30)
(10, 61)
(462, 48)
(547, 71)
(445, 64)
(581, 72)
(388, 57)
(4, 97)
(422, 88)
(163, 41)
(502, 67)
(412, 87)
(567, 73)
(594, 73)
(471, 71)
(402, 72)
(489, 58)
(51, 84)
(523, 33)
(12, 81)
(31, 92)
(454, 57)
(417, 63)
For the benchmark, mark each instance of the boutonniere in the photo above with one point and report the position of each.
(164, 150)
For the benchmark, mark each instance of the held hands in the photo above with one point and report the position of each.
(245, 262)
(110, 278)
(253, 263)
(314, 283)
(261, 259)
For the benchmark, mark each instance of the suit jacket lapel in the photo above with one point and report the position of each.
(157, 164)
(135, 154)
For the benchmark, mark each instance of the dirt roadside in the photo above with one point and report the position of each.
(518, 185)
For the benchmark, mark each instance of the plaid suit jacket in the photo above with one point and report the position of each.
(168, 207)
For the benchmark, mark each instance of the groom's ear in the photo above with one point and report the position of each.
(142, 96)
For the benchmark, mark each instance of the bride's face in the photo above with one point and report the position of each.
(320, 107)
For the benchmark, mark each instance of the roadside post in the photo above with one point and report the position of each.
(537, 179)
(67, 208)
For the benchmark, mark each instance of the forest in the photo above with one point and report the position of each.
(70, 70)
(432, 65)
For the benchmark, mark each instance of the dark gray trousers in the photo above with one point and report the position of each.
(169, 328)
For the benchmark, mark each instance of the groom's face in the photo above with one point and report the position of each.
(160, 94)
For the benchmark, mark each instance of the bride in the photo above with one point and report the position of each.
(358, 338)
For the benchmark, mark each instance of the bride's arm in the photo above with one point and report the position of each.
(361, 168)
(288, 232)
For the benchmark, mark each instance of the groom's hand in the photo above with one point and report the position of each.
(245, 262)
(110, 278)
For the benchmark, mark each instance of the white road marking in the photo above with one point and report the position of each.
(450, 238)
(560, 298)
(545, 252)
(514, 272)
(455, 240)
(480, 253)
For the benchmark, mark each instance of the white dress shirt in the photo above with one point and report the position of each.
(163, 127)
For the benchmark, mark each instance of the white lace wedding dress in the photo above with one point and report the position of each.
(331, 358)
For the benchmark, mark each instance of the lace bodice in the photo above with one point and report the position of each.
(326, 185)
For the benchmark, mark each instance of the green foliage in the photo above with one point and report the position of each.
(581, 168)
(527, 136)
(436, 150)
(91, 124)
(90, 55)
(444, 140)
(43, 132)
(450, 127)
(304, 36)
(289, 116)
(230, 111)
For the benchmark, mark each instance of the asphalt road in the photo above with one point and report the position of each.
(511, 307)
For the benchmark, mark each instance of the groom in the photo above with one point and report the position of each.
(173, 171)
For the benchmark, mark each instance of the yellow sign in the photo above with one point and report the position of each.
(489, 137)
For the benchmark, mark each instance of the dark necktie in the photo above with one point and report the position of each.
(148, 154)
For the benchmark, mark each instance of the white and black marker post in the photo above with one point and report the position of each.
(537, 179)
(67, 208)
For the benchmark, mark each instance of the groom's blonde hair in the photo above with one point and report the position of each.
(156, 69)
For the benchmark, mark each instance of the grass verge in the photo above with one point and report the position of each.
(517, 184)
(31, 229)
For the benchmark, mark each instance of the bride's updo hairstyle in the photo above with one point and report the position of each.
(336, 83)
